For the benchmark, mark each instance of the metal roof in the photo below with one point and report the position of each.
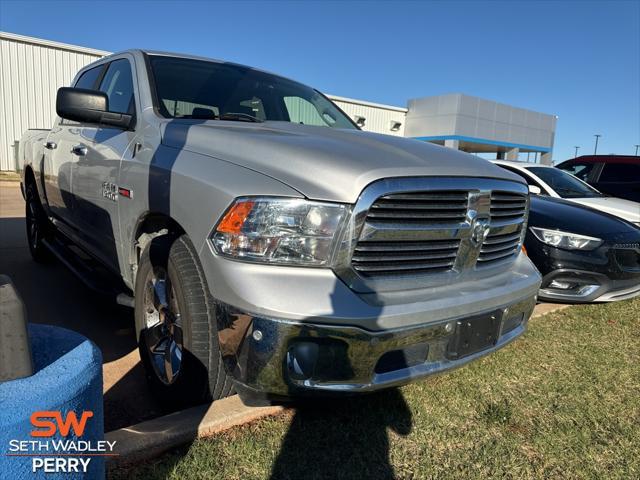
(50, 43)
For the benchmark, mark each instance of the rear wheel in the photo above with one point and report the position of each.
(175, 316)
(38, 225)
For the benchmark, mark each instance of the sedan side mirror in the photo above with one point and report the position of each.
(89, 106)
(534, 189)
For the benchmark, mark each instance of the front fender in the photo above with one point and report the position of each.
(192, 189)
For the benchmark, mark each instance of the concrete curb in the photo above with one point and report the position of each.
(151, 438)
(545, 308)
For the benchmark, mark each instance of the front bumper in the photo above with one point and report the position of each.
(287, 358)
(587, 287)
(609, 273)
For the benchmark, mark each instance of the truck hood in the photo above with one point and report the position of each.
(323, 163)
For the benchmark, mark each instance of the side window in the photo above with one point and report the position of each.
(179, 108)
(89, 78)
(620, 172)
(303, 111)
(527, 178)
(118, 85)
(580, 170)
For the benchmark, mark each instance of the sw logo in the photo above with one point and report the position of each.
(41, 420)
(51, 451)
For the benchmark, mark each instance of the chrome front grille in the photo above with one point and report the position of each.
(442, 209)
(413, 232)
(507, 214)
(389, 258)
(420, 208)
(507, 205)
(498, 247)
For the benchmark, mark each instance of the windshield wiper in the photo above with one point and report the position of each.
(241, 117)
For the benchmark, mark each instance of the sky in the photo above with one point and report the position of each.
(574, 59)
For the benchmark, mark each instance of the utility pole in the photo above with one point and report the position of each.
(595, 150)
(636, 149)
(577, 147)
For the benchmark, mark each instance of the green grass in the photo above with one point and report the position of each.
(561, 402)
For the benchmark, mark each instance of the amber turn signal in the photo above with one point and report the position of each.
(235, 217)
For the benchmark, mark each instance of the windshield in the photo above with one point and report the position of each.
(187, 88)
(565, 184)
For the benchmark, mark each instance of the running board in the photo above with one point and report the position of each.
(95, 277)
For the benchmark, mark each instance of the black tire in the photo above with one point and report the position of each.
(38, 225)
(200, 375)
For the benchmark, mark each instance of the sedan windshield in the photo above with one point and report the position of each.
(188, 88)
(565, 184)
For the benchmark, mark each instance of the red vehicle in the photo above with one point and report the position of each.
(615, 175)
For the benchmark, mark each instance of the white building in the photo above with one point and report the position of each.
(33, 69)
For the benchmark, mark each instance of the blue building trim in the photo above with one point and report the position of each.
(484, 141)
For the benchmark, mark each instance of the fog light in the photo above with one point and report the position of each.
(301, 360)
(561, 285)
(257, 335)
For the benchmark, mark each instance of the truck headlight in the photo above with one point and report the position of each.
(280, 231)
(570, 241)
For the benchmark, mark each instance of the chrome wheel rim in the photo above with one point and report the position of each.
(163, 333)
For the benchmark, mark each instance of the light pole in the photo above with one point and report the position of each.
(636, 149)
(595, 150)
(577, 147)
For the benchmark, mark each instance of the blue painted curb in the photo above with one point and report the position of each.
(67, 378)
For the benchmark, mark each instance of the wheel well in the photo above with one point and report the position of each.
(152, 225)
(29, 176)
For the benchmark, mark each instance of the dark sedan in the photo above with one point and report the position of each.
(584, 255)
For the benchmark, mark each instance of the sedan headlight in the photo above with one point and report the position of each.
(280, 231)
(570, 241)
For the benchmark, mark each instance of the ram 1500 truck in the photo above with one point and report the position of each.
(267, 244)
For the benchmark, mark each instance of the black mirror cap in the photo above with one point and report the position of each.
(81, 105)
(89, 106)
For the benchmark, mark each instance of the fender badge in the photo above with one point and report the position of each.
(125, 192)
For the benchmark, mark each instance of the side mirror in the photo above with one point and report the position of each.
(360, 121)
(534, 189)
(89, 106)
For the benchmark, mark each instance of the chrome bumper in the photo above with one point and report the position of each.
(285, 358)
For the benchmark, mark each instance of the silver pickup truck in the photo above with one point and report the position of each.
(267, 244)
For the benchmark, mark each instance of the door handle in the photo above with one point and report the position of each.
(80, 150)
(51, 145)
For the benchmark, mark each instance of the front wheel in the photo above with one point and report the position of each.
(175, 318)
